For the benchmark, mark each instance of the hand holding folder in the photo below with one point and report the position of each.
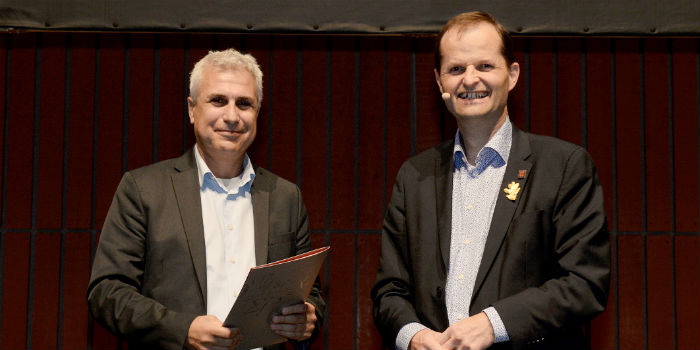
(267, 289)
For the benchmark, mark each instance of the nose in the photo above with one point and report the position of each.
(471, 76)
(231, 113)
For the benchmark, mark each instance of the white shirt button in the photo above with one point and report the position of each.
(466, 242)
(470, 207)
(460, 277)
(233, 260)
(229, 227)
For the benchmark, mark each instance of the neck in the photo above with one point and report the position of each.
(477, 132)
(222, 164)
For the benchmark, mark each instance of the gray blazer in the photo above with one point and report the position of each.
(148, 279)
(546, 262)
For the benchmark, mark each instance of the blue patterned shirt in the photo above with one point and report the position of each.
(475, 189)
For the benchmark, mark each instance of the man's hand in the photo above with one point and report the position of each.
(474, 332)
(208, 332)
(426, 339)
(295, 322)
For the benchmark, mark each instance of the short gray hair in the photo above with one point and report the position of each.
(228, 60)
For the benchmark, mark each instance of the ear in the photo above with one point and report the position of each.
(190, 109)
(513, 74)
(437, 80)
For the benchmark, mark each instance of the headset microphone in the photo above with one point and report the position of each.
(445, 96)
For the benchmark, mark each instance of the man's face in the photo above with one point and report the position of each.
(225, 114)
(474, 73)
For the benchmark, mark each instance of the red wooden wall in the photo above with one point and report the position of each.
(340, 115)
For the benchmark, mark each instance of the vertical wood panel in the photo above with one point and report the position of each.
(52, 111)
(75, 280)
(81, 119)
(517, 104)
(172, 105)
(15, 279)
(109, 123)
(371, 131)
(260, 151)
(4, 39)
(314, 130)
(340, 305)
(656, 96)
(568, 78)
(542, 86)
(599, 104)
(368, 260)
(600, 145)
(282, 107)
(398, 108)
(228, 41)
(21, 132)
(140, 93)
(687, 265)
(630, 285)
(628, 136)
(46, 290)
(342, 132)
(429, 107)
(659, 292)
(685, 133)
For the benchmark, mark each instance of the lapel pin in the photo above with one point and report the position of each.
(512, 190)
(521, 174)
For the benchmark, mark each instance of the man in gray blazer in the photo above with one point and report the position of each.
(181, 234)
(497, 238)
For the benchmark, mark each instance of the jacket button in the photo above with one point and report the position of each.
(438, 291)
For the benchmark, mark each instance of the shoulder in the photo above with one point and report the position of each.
(159, 170)
(268, 181)
(552, 149)
(544, 143)
(425, 163)
(158, 175)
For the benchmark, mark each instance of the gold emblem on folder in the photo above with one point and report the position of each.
(512, 190)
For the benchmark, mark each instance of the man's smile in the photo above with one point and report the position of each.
(473, 95)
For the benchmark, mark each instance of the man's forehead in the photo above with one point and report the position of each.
(483, 45)
(212, 71)
(458, 31)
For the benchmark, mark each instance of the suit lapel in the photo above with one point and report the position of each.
(186, 188)
(505, 208)
(443, 194)
(261, 196)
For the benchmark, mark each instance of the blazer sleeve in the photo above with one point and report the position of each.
(392, 293)
(113, 294)
(579, 279)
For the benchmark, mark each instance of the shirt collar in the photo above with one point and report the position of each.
(500, 142)
(231, 186)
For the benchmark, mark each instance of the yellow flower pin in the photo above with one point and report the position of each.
(512, 190)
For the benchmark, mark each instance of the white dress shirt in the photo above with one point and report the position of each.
(229, 237)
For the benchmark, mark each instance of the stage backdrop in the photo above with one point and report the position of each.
(341, 113)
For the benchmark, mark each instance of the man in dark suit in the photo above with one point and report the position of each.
(497, 238)
(181, 235)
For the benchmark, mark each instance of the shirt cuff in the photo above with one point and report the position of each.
(406, 333)
(499, 329)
